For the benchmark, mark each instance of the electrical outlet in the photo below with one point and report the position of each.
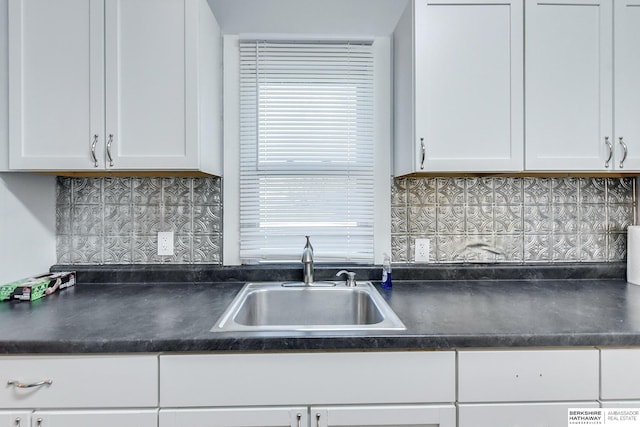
(421, 253)
(165, 243)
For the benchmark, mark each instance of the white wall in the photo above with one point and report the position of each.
(4, 86)
(27, 225)
(27, 201)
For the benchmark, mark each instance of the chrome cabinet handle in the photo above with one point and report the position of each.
(610, 147)
(39, 422)
(318, 420)
(624, 152)
(18, 384)
(299, 418)
(17, 421)
(93, 150)
(109, 142)
(424, 153)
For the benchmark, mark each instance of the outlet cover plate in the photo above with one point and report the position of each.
(165, 243)
(421, 253)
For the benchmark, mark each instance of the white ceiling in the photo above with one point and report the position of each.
(316, 17)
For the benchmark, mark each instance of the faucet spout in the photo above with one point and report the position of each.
(307, 260)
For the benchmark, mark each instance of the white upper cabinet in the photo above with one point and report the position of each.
(115, 85)
(459, 87)
(568, 85)
(627, 85)
(571, 120)
(55, 95)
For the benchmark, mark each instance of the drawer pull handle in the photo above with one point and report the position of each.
(299, 418)
(39, 422)
(18, 384)
(17, 421)
(317, 420)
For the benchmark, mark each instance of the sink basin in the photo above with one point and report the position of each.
(277, 306)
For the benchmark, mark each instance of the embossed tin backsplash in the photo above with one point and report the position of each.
(116, 220)
(495, 219)
(513, 220)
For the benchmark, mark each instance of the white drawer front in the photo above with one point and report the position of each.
(528, 375)
(521, 415)
(620, 404)
(620, 373)
(306, 379)
(80, 381)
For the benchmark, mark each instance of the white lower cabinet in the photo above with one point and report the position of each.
(464, 388)
(91, 382)
(291, 379)
(79, 391)
(546, 414)
(308, 389)
(15, 418)
(620, 378)
(526, 388)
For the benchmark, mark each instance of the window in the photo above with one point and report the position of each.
(306, 150)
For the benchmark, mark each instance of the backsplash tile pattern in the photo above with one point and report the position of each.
(115, 220)
(511, 219)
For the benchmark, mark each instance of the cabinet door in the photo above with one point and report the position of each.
(239, 417)
(149, 80)
(627, 87)
(469, 85)
(568, 85)
(519, 414)
(619, 375)
(56, 93)
(15, 418)
(397, 415)
(105, 418)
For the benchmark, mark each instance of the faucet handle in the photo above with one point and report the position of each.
(351, 277)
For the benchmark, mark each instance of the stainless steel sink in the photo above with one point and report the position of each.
(277, 306)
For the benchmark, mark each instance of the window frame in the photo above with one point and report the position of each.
(382, 147)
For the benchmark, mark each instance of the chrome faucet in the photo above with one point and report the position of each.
(307, 260)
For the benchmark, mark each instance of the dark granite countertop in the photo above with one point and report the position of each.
(560, 309)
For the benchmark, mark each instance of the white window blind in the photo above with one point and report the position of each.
(306, 151)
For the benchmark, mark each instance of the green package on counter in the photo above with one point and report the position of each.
(7, 290)
(33, 288)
